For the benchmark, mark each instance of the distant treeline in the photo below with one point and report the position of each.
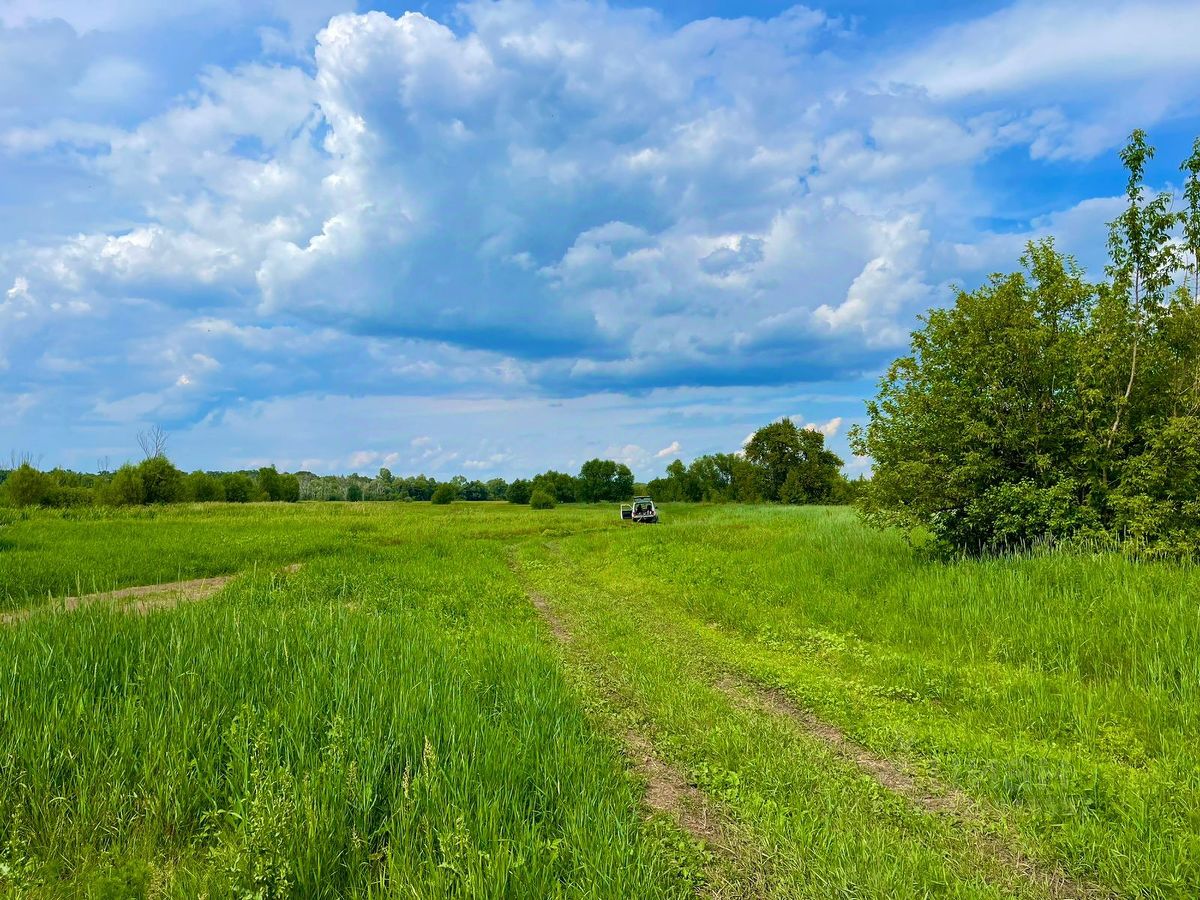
(1043, 408)
(780, 463)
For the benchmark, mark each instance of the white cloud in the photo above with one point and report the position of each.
(829, 429)
(670, 450)
(1032, 44)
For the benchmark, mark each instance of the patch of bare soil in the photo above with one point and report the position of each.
(141, 599)
(924, 792)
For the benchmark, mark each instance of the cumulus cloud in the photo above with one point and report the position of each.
(526, 199)
(670, 450)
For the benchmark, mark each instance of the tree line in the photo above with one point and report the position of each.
(1046, 408)
(780, 463)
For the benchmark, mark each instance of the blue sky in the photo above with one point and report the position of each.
(493, 238)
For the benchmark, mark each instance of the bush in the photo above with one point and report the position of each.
(125, 489)
(443, 494)
(200, 487)
(26, 486)
(238, 487)
(163, 483)
(541, 500)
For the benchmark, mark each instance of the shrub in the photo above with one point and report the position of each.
(238, 487)
(541, 500)
(125, 489)
(26, 486)
(200, 487)
(443, 494)
(163, 483)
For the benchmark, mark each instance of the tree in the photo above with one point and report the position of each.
(238, 487)
(443, 494)
(269, 483)
(497, 489)
(776, 450)
(26, 486)
(200, 487)
(354, 492)
(125, 488)
(781, 449)
(474, 490)
(153, 442)
(559, 485)
(1041, 408)
(162, 482)
(604, 480)
(793, 490)
(519, 491)
(541, 500)
(289, 488)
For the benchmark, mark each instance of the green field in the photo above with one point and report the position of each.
(485, 700)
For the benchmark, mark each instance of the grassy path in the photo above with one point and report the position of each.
(805, 815)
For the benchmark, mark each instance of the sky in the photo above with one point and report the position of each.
(492, 238)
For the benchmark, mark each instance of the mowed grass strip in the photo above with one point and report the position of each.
(1060, 691)
(387, 722)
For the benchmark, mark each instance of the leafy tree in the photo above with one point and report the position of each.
(474, 490)
(125, 488)
(443, 494)
(1042, 408)
(162, 482)
(289, 488)
(354, 492)
(541, 500)
(200, 487)
(793, 490)
(604, 480)
(559, 485)
(269, 483)
(519, 491)
(26, 486)
(497, 489)
(238, 487)
(779, 449)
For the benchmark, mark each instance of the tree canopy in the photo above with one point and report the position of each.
(1042, 407)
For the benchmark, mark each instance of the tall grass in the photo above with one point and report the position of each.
(385, 723)
(392, 720)
(1063, 688)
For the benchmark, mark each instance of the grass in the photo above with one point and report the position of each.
(394, 720)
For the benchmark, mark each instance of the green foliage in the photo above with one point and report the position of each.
(26, 486)
(795, 457)
(444, 494)
(604, 480)
(354, 491)
(161, 481)
(540, 499)
(519, 491)
(200, 487)
(238, 487)
(1042, 408)
(126, 488)
(561, 486)
(269, 483)
(792, 490)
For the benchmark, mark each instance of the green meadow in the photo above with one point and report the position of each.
(460, 701)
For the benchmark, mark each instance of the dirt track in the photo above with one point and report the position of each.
(142, 598)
